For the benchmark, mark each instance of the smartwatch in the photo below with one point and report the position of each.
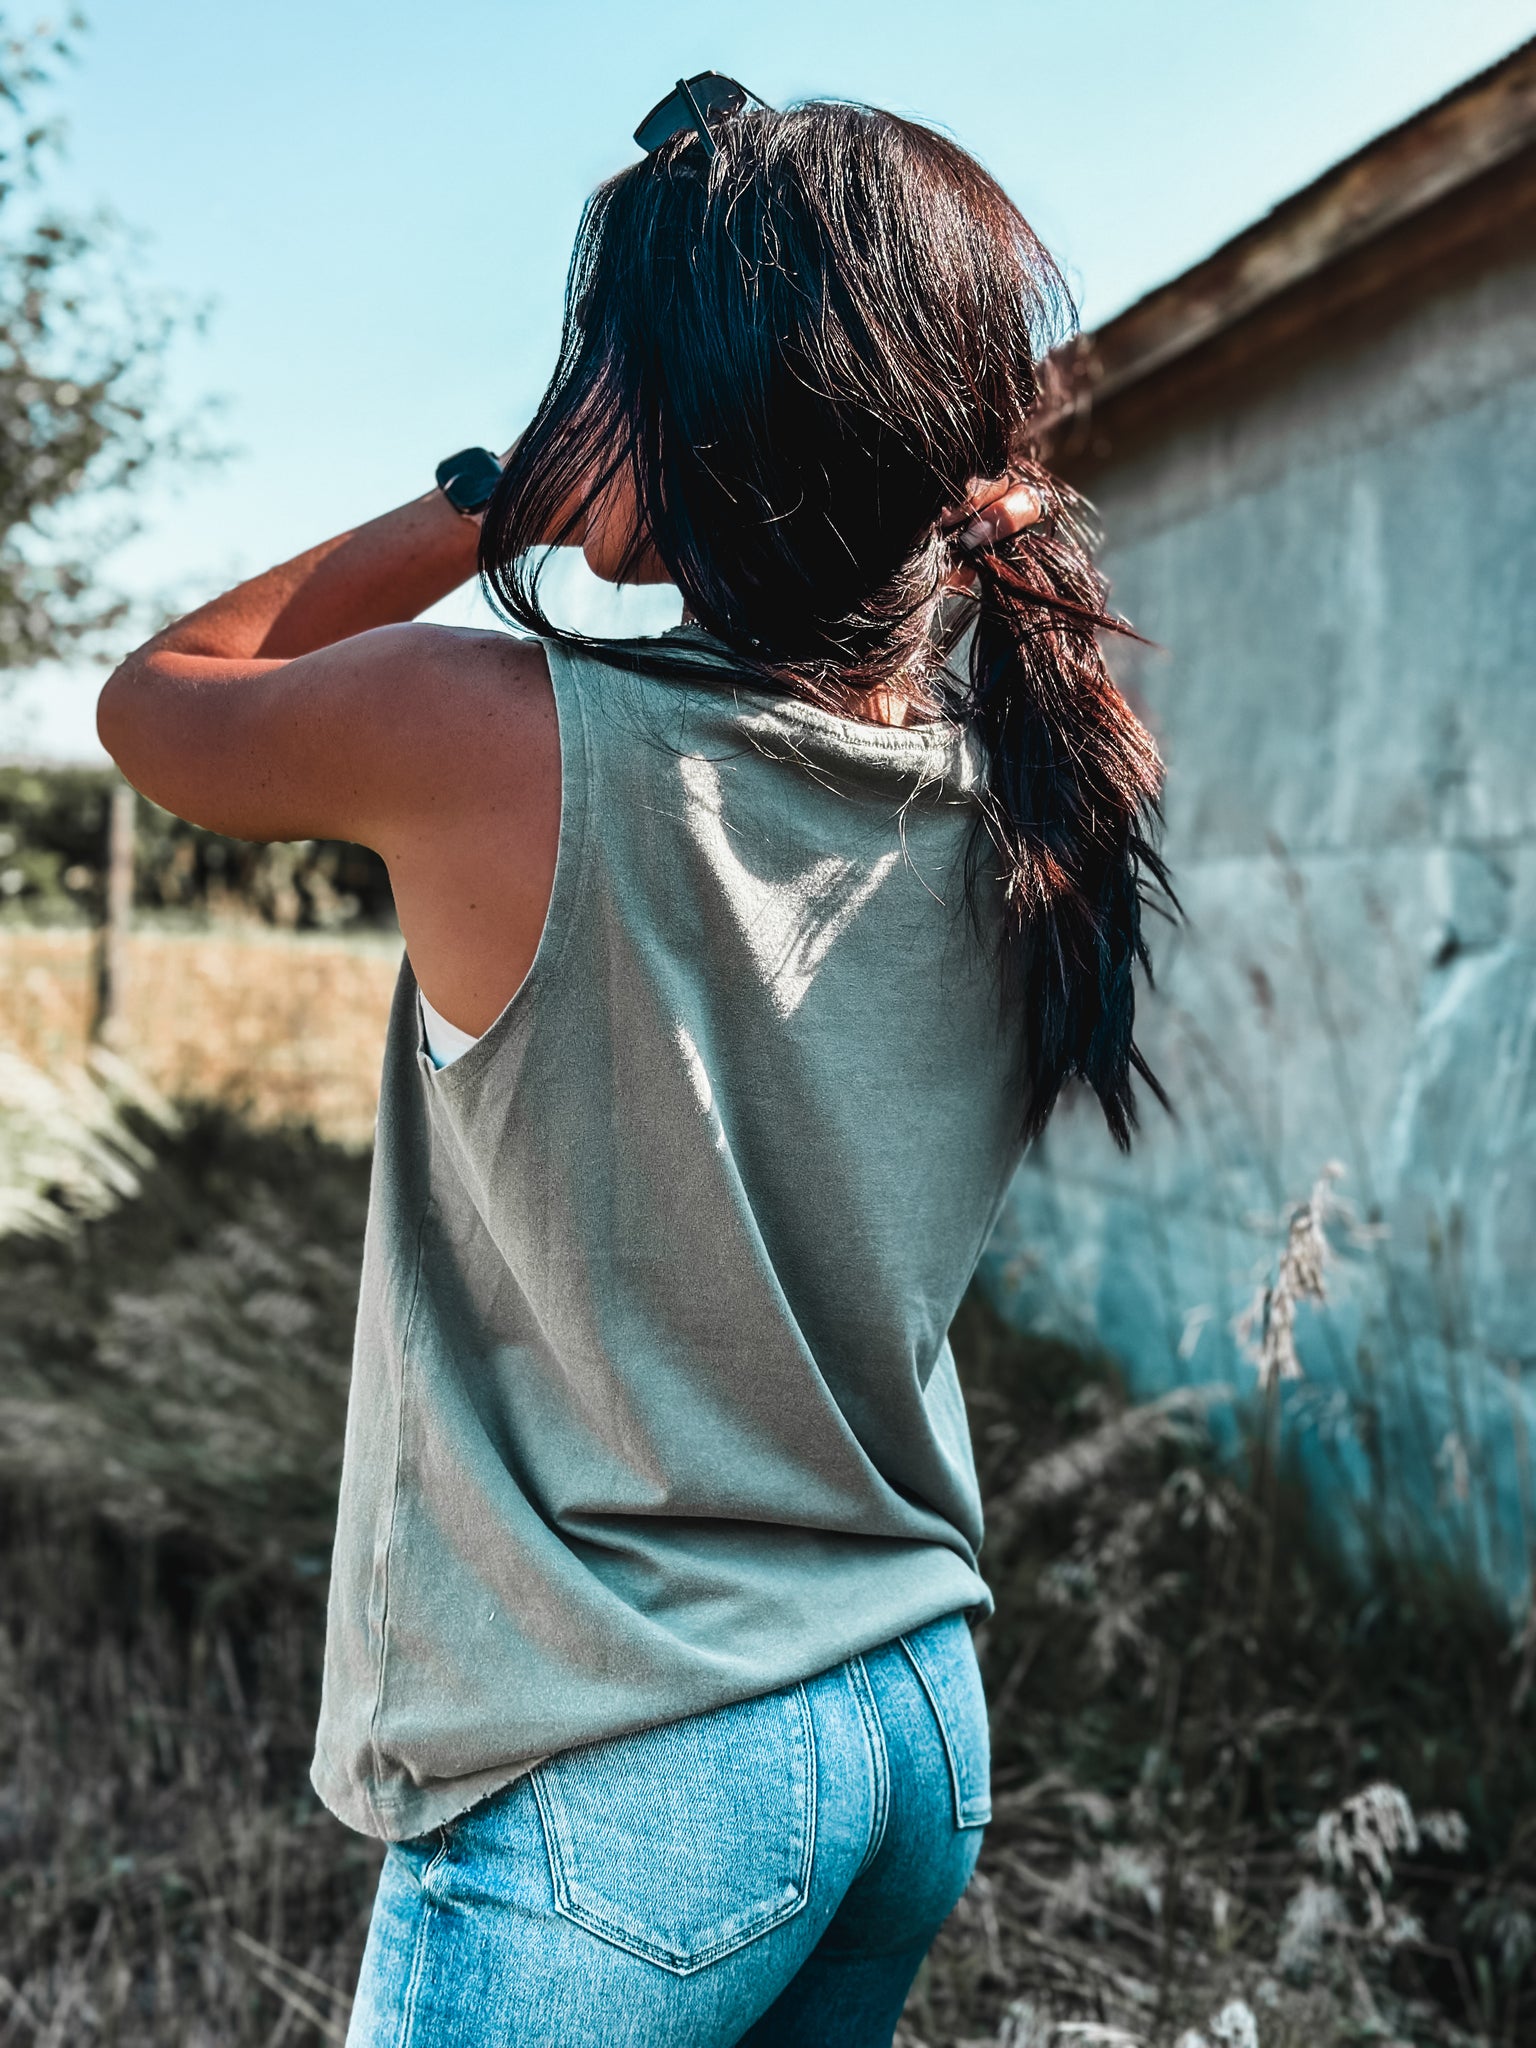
(469, 479)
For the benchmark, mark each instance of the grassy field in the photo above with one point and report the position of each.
(1239, 1796)
(258, 976)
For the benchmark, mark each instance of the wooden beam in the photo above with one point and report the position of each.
(1335, 312)
(1485, 124)
(112, 956)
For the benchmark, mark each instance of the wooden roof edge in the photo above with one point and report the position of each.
(1486, 121)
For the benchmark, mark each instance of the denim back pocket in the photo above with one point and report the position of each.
(944, 1659)
(687, 1841)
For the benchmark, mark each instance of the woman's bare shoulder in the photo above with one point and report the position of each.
(351, 741)
(468, 715)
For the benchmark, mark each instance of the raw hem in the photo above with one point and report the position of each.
(404, 1813)
(394, 1818)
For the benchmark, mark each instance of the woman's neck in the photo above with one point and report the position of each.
(888, 707)
(883, 705)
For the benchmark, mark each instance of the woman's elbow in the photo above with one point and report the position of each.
(121, 712)
(113, 715)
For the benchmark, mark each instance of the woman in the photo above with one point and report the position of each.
(741, 964)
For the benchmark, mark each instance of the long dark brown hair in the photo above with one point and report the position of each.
(801, 349)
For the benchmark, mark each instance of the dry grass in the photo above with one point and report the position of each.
(285, 1027)
(1187, 1692)
(174, 1375)
(165, 1877)
(1230, 1778)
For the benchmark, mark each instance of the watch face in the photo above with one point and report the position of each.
(468, 480)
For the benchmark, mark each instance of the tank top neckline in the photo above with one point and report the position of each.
(925, 743)
(928, 748)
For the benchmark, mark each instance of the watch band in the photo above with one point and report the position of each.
(468, 480)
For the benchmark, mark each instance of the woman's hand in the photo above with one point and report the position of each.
(995, 509)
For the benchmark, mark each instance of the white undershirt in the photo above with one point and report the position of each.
(445, 1041)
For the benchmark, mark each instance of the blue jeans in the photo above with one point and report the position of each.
(772, 1873)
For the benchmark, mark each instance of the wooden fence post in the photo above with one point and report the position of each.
(112, 960)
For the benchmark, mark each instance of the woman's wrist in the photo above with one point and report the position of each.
(468, 480)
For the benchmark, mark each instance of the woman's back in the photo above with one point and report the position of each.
(654, 1426)
(652, 1407)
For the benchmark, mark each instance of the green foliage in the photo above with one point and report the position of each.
(53, 835)
(82, 351)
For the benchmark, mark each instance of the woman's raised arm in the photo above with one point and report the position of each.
(301, 704)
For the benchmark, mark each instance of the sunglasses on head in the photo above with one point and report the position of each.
(694, 103)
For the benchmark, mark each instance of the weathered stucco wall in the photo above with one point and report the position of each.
(1338, 560)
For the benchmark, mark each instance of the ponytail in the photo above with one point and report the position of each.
(1070, 806)
(800, 348)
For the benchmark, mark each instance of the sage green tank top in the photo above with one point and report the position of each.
(652, 1405)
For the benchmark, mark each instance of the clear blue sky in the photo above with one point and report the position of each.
(379, 199)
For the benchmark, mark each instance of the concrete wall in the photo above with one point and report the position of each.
(1339, 560)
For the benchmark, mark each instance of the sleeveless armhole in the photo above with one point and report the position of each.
(565, 889)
